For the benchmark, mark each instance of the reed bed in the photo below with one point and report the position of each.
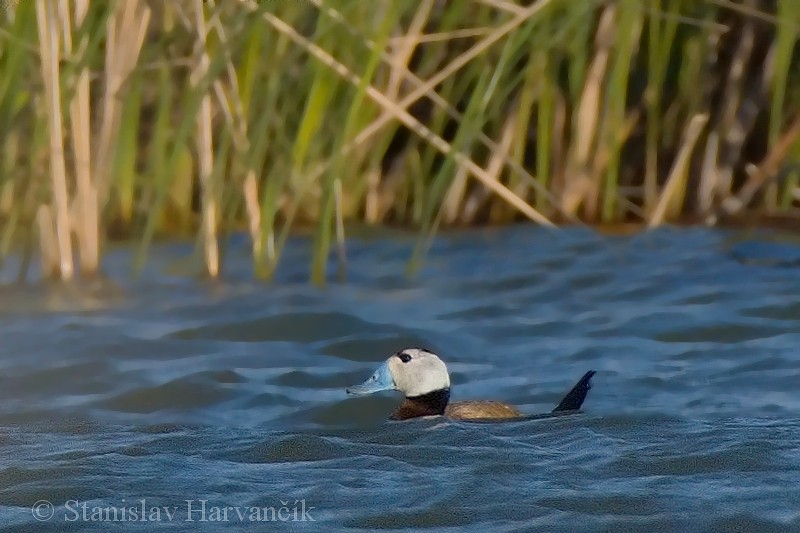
(140, 119)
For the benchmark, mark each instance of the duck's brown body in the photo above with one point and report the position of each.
(436, 403)
(481, 409)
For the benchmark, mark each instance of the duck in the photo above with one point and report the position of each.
(424, 380)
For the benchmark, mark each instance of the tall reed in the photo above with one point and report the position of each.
(136, 119)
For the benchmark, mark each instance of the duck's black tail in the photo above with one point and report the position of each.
(574, 398)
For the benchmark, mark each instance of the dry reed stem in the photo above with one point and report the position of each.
(578, 182)
(404, 49)
(679, 169)
(85, 205)
(125, 32)
(250, 195)
(763, 173)
(391, 109)
(503, 5)
(230, 102)
(708, 184)
(495, 166)
(591, 97)
(48, 242)
(454, 196)
(372, 200)
(443, 36)
(732, 136)
(205, 148)
(50, 56)
(340, 245)
(235, 116)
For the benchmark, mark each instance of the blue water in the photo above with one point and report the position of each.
(168, 393)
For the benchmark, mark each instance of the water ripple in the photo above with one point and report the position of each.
(167, 390)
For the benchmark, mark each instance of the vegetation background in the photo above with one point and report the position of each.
(136, 119)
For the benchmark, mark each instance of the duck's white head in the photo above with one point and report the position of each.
(412, 371)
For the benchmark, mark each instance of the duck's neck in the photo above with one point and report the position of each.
(433, 403)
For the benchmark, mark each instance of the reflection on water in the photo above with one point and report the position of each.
(166, 392)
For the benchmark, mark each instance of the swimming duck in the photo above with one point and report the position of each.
(423, 378)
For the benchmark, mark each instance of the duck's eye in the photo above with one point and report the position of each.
(404, 357)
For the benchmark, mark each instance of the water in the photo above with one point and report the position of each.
(167, 391)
